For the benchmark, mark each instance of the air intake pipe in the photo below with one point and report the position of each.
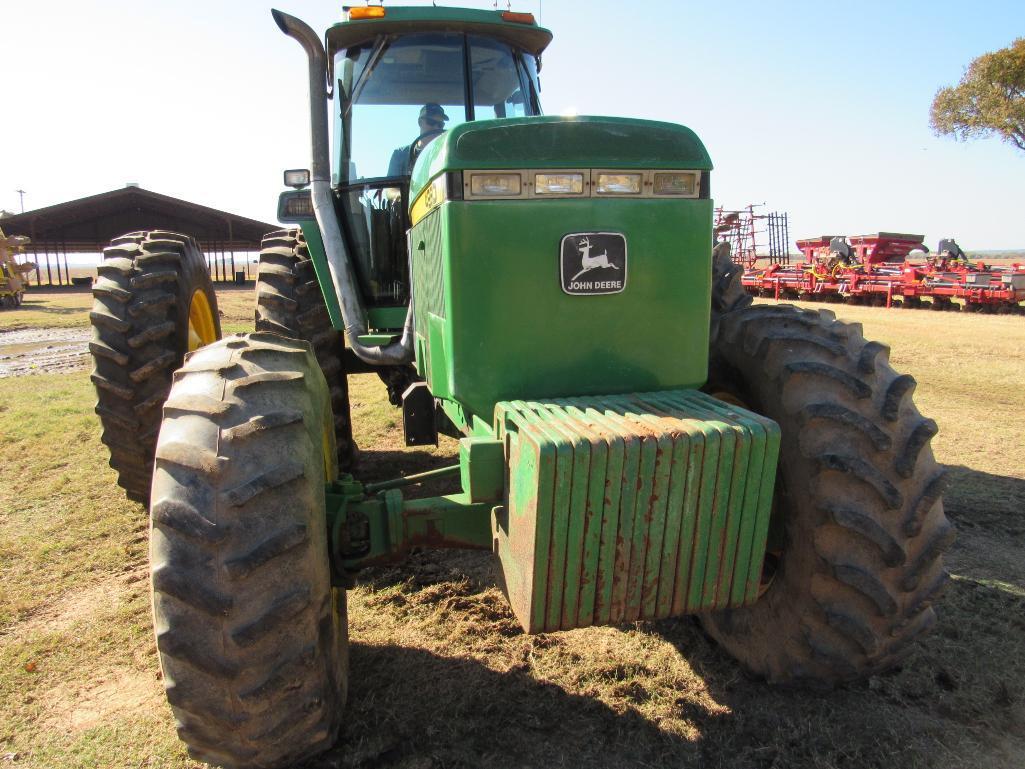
(343, 276)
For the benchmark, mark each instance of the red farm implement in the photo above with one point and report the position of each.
(745, 231)
(889, 268)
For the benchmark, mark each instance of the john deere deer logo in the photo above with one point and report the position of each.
(586, 252)
(588, 262)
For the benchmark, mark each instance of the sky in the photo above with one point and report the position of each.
(819, 109)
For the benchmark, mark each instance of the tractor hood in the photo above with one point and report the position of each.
(602, 290)
(560, 142)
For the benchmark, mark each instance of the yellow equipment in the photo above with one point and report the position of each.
(13, 275)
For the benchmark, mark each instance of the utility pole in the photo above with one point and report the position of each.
(21, 194)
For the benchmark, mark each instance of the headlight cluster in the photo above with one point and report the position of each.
(556, 183)
(496, 185)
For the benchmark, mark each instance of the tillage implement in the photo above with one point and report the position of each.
(636, 440)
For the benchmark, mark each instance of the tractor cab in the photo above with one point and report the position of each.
(402, 77)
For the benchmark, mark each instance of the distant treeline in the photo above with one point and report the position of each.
(1012, 253)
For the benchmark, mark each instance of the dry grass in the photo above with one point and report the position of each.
(442, 677)
(69, 308)
(49, 308)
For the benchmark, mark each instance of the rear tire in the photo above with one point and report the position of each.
(251, 635)
(289, 301)
(140, 318)
(858, 497)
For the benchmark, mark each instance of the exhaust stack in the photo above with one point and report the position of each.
(343, 276)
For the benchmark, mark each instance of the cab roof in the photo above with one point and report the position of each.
(401, 20)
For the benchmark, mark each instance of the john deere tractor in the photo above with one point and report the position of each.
(635, 440)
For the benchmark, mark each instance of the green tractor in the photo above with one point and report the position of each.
(636, 441)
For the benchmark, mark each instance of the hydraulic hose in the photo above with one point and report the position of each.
(343, 275)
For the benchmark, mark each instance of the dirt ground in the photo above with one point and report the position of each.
(441, 676)
(29, 346)
(43, 351)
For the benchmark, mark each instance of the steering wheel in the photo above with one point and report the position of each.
(422, 141)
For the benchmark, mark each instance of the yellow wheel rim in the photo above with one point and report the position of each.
(202, 329)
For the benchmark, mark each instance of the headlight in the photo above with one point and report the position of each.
(619, 184)
(684, 183)
(294, 206)
(297, 177)
(558, 184)
(499, 185)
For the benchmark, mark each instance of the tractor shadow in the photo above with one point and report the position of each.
(989, 513)
(413, 708)
(957, 698)
(955, 701)
(977, 500)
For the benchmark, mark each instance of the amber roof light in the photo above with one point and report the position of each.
(519, 18)
(366, 12)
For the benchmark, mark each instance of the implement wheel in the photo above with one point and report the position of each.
(251, 635)
(854, 559)
(728, 292)
(153, 302)
(289, 302)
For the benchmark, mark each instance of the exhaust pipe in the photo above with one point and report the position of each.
(343, 276)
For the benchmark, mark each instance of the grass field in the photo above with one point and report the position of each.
(441, 676)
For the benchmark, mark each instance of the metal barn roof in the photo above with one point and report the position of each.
(88, 224)
(83, 224)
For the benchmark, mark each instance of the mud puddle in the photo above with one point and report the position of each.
(43, 351)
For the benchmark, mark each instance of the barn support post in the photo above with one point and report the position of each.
(35, 259)
(35, 250)
(231, 247)
(209, 256)
(67, 270)
(49, 271)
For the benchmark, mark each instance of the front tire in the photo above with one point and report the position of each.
(251, 635)
(153, 302)
(858, 497)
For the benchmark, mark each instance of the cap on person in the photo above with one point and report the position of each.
(433, 111)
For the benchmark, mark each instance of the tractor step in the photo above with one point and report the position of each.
(632, 507)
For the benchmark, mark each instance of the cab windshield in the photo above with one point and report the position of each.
(396, 94)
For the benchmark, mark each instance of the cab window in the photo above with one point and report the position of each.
(384, 88)
(496, 81)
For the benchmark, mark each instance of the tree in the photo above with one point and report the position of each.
(989, 100)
